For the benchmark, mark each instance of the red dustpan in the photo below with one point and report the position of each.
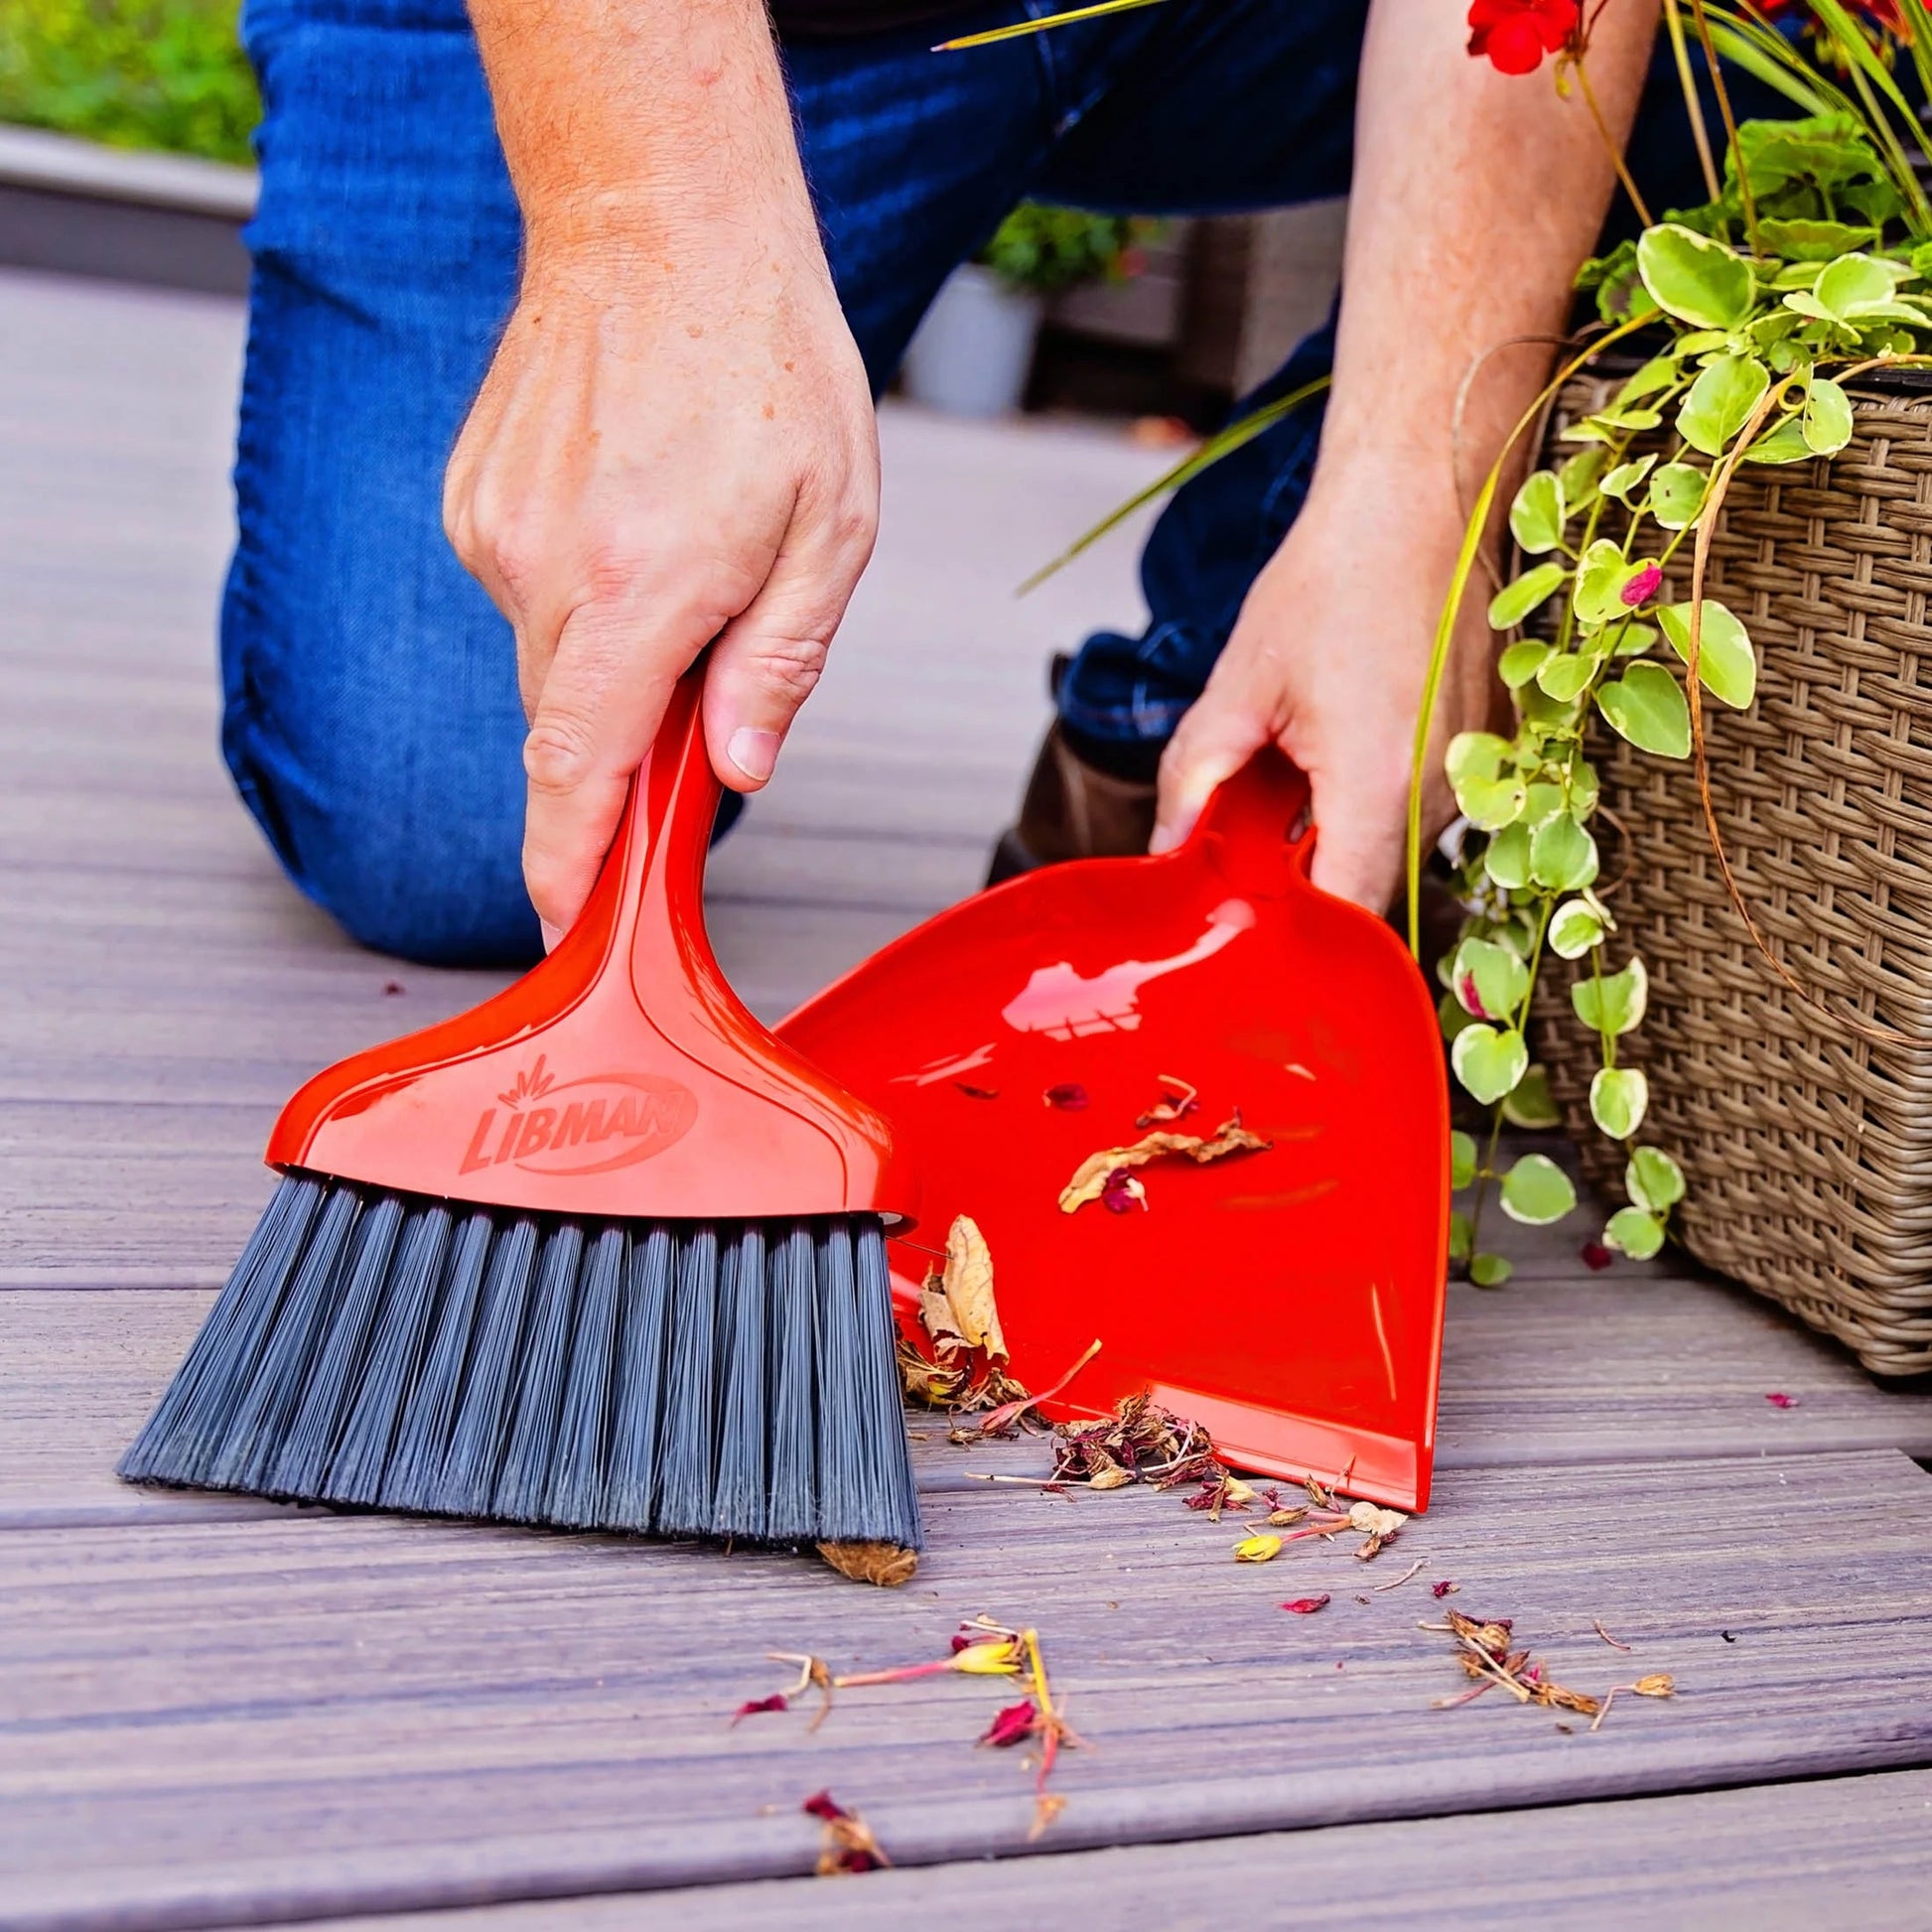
(1291, 1299)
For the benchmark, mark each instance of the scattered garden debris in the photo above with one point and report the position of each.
(965, 1369)
(1595, 1256)
(1779, 1399)
(1141, 1442)
(812, 1675)
(1306, 1606)
(1177, 1100)
(1487, 1652)
(1443, 1589)
(1095, 1174)
(390, 988)
(1258, 1549)
(998, 1422)
(1596, 1624)
(889, 1565)
(977, 1093)
(754, 1707)
(1121, 1193)
(848, 1844)
(1069, 1096)
(1396, 1582)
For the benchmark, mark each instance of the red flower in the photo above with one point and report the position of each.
(1779, 1399)
(1595, 1256)
(1009, 1726)
(776, 1702)
(1514, 34)
(1641, 586)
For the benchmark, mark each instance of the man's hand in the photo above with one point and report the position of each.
(675, 444)
(1324, 661)
(1476, 197)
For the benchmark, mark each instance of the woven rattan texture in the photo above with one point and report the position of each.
(1808, 1148)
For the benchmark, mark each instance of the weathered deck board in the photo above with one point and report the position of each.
(1785, 1858)
(247, 1719)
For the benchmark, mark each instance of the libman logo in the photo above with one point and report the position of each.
(591, 1125)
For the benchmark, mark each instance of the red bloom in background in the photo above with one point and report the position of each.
(1514, 34)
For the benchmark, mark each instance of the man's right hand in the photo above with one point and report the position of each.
(675, 446)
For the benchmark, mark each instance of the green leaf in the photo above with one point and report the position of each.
(1625, 477)
(1488, 1061)
(1618, 1097)
(1520, 662)
(1575, 928)
(1535, 516)
(1536, 1191)
(1658, 373)
(1531, 1105)
(1633, 1232)
(1514, 601)
(1653, 1180)
(1507, 861)
(1563, 856)
(1613, 1003)
(1462, 1159)
(1489, 979)
(1490, 1271)
(1646, 706)
(1490, 803)
(1449, 1011)
(1827, 417)
(1578, 475)
(1564, 675)
(1475, 754)
(1812, 241)
(1858, 285)
(1462, 1235)
(1693, 278)
(1634, 639)
(1601, 577)
(1727, 663)
(1720, 402)
(1677, 494)
(1784, 444)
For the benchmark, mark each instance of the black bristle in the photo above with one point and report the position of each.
(261, 1418)
(731, 1380)
(185, 1433)
(329, 1387)
(793, 1515)
(687, 1446)
(583, 1439)
(524, 1486)
(631, 1492)
(468, 1476)
(738, 1502)
(395, 1355)
(423, 1438)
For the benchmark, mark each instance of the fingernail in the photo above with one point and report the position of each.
(551, 934)
(755, 753)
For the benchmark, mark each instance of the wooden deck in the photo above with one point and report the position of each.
(221, 1711)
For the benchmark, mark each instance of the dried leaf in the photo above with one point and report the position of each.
(884, 1564)
(1011, 1725)
(968, 1284)
(848, 1844)
(1112, 1476)
(1091, 1178)
(777, 1700)
(1280, 1519)
(1176, 1103)
(1258, 1549)
(1660, 1683)
(1306, 1606)
(977, 1093)
(939, 1385)
(1373, 1521)
(1070, 1097)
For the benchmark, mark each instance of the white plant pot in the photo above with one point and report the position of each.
(974, 350)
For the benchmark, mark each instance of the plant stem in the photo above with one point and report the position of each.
(1693, 101)
(1722, 93)
(1610, 147)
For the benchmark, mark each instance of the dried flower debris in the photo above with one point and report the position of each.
(1488, 1653)
(888, 1564)
(1306, 1606)
(966, 1366)
(1069, 1096)
(1092, 1176)
(848, 1844)
(1779, 1399)
(1177, 1100)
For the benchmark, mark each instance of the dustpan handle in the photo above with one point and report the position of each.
(1256, 827)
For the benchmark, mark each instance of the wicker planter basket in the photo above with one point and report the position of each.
(1808, 1148)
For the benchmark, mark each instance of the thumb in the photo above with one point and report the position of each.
(1216, 738)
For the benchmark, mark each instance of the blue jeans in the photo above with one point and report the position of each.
(373, 722)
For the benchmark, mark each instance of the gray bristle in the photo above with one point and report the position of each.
(630, 1493)
(739, 1399)
(423, 1436)
(793, 1510)
(395, 1354)
(186, 1428)
(731, 1380)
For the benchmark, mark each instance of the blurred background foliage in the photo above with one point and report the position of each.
(135, 74)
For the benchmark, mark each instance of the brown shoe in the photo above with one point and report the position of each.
(1072, 810)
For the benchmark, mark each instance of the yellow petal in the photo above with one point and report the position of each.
(1257, 1549)
(987, 1659)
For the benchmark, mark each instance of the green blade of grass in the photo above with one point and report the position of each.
(1027, 27)
(1223, 443)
